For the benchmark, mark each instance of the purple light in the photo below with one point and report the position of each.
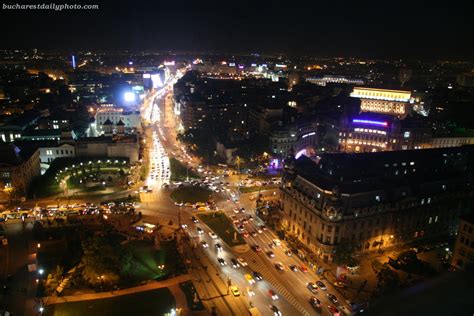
(275, 163)
(378, 123)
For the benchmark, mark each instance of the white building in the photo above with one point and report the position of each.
(131, 119)
(50, 152)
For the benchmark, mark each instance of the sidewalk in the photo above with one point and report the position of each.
(96, 296)
(180, 299)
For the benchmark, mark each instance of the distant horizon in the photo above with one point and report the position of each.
(230, 53)
(403, 30)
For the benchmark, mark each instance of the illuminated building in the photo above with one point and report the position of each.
(377, 132)
(393, 102)
(324, 80)
(282, 140)
(375, 200)
(131, 119)
(463, 255)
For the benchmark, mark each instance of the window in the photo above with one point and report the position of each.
(377, 198)
(49, 152)
(430, 220)
(436, 218)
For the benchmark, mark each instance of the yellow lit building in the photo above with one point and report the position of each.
(393, 102)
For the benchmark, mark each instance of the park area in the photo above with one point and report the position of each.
(102, 259)
(223, 227)
(156, 302)
(75, 176)
(191, 194)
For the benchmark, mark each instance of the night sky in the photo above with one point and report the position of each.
(395, 29)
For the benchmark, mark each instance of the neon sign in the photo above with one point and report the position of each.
(370, 122)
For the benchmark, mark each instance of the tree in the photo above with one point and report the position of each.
(344, 253)
(101, 260)
(387, 280)
(407, 257)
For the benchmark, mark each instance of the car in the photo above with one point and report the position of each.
(256, 248)
(293, 268)
(339, 284)
(242, 261)
(218, 247)
(303, 269)
(276, 242)
(194, 219)
(279, 266)
(240, 228)
(249, 279)
(262, 227)
(235, 263)
(321, 285)
(221, 261)
(312, 287)
(199, 230)
(288, 252)
(334, 311)
(272, 294)
(315, 302)
(250, 292)
(235, 290)
(275, 310)
(270, 254)
(184, 226)
(213, 236)
(245, 234)
(254, 234)
(259, 230)
(204, 244)
(257, 276)
(332, 298)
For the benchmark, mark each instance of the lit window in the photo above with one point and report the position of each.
(430, 220)
(377, 198)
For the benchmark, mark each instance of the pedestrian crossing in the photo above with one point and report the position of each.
(257, 264)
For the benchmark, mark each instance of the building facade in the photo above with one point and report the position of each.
(18, 167)
(463, 255)
(111, 147)
(109, 113)
(375, 200)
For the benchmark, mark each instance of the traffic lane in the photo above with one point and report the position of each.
(265, 239)
(262, 299)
